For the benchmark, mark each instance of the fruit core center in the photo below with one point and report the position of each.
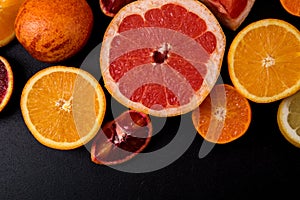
(160, 55)
(220, 113)
(65, 105)
(268, 61)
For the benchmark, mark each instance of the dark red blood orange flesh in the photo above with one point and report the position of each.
(3, 81)
(111, 7)
(121, 139)
(162, 57)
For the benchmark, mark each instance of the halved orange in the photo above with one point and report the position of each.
(264, 60)
(8, 13)
(63, 107)
(6, 82)
(291, 6)
(162, 57)
(224, 115)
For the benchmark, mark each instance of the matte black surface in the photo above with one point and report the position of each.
(261, 162)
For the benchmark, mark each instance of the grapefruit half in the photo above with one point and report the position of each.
(162, 57)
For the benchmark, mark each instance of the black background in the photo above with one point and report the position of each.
(261, 162)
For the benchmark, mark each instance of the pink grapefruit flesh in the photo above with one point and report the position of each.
(162, 57)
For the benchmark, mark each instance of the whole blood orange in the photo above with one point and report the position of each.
(224, 115)
(162, 57)
(53, 31)
(6, 82)
(121, 139)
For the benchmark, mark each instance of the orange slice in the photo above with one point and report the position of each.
(224, 116)
(288, 118)
(8, 13)
(291, 6)
(63, 107)
(162, 57)
(6, 82)
(264, 61)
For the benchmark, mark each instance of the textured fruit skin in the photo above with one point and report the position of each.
(53, 31)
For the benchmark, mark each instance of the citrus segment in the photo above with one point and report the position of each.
(162, 57)
(223, 116)
(291, 6)
(6, 82)
(288, 118)
(8, 13)
(63, 107)
(122, 138)
(264, 61)
(231, 13)
(111, 7)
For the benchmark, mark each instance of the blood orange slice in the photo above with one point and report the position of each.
(121, 139)
(111, 7)
(6, 82)
(231, 13)
(162, 57)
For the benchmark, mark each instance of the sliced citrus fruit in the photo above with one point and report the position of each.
(111, 7)
(63, 107)
(288, 118)
(8, 13)
(264, 61)
(224, 115)
(291, 6)
(121, 139)
(6, 82)
(230, 13)
(162, 57)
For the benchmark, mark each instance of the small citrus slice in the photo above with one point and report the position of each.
(223, 116)
(121, 139)
(264, 61)
(231, 13)
(288, 118)
(162, 57)
(63, 107)
(291, 6)
(6, 82)
(111, 7)
(8, 13)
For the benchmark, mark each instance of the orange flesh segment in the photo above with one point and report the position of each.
(223, 116)
(268, 60)
(291, 6)
(55, 111)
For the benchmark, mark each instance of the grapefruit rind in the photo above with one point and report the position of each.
(10, 83)
(213, 65)
(282, 119)
(31, 126)
(231, 57)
